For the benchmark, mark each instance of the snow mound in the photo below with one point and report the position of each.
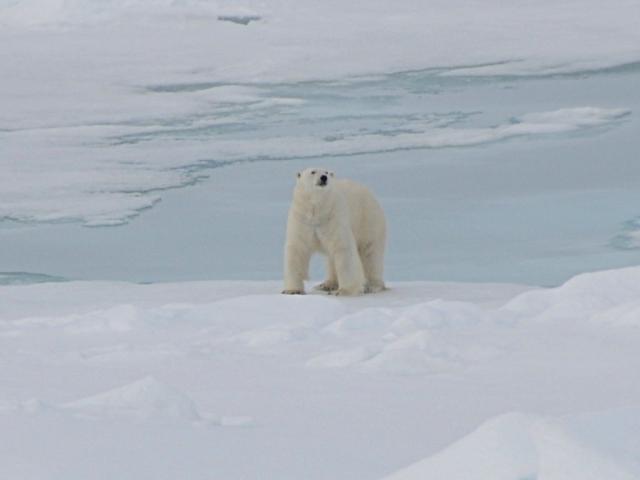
(261, 321)
(365, 320)
(415, 353)
(144, 399)
(444, 336)
(439, 359)
(516, 446)
(119, 319)
(605, 296)
(343, 358)
(262, 310)
(270, 336)
(373, 333)
(408, 340)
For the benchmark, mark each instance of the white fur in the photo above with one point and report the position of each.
(342, 220)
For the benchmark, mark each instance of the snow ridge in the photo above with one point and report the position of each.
(517, 446)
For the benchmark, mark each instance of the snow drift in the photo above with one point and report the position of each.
(517, 446)
(105, 365)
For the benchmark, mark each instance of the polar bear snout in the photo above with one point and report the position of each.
(312, 179)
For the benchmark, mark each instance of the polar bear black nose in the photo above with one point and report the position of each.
(323, 179)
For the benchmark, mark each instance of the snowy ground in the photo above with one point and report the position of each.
(501, 139)
(232, 380)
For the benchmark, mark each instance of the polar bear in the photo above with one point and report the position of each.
(341, 219)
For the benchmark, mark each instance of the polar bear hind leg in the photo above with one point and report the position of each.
(331, 281)
(372, 258)
(349, 271)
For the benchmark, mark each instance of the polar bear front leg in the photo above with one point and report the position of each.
(296, 268)
(349, 270)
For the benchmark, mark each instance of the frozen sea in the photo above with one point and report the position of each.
(158, 141)
(148, 149)
(465, 201)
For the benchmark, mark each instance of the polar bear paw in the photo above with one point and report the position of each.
(347, 292)
(375, 288)
(327, 286)
(293, 292)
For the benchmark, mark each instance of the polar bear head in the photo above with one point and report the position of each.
(312, 179)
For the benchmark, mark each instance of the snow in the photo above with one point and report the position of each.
(514, 446)
(143, 399)
(500, 138)
(98, 98)
(140, 377)
(108, 188)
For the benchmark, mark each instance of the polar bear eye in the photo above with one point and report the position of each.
(313, 172)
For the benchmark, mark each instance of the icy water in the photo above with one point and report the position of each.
(530, 208)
